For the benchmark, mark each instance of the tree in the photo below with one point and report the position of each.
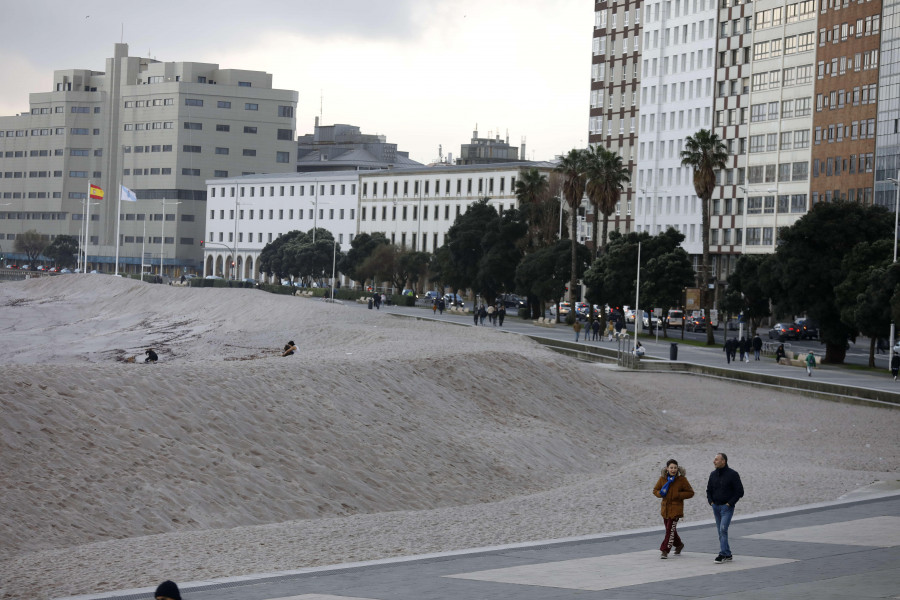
(665, 269)
(808, 265)
(31, 243)
(865, 294)
(543, 273)
(361, 247)
(607, 177)
(706, 154)
(531, 190)
(748, 288)
(272, 260)
(573, 167)
(63, 250)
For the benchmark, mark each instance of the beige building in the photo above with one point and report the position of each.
(162, 129)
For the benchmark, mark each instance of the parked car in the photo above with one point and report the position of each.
(431, 296)
(564, 308)
(453, 300)
(784, 331)
(695, 323)
(675, 318)
(809, 329)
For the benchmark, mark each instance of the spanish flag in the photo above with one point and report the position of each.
(96, 192)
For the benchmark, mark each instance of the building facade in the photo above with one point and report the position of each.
(341, 147)
(484, 151)
(615, 94)
(246, 213)
(159, 128)
(415, 207)
(678, 71)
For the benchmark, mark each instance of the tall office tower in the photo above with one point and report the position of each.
(159, 128)
(781, 38)
(887, 142)
(678, 70)
(846, 101)
(615, 83)
(734, 29)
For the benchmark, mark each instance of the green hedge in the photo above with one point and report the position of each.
(401, 300)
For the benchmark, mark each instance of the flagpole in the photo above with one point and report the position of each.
(84, 217)
(118, 224)
(143, 245)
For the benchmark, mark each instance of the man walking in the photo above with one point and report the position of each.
(723, 491)
(757, 345)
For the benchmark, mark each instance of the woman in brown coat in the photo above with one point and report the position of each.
(674, 488)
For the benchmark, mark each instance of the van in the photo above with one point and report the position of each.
(675, 318)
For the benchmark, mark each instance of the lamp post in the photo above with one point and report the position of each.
(333, 265)
(896, 182)
(162, 239)
(87, 230)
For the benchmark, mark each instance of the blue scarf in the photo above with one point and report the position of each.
(665, 489)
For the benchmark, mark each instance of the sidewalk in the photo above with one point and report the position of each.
(841, 549)
(710, 356)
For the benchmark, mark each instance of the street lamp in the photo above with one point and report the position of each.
(896, 182)
(654, 194)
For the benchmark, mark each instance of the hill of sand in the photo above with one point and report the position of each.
(383, 436)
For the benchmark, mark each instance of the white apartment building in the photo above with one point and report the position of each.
(781, 94)
(678, 67)
(246, 213)
(159, 128)
(414, 207)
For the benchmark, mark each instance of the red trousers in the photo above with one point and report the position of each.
(671, 540)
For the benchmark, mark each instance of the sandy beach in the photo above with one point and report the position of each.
(381, 437)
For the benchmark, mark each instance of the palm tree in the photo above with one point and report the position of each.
(531, 191)
(607, 177)
(573, 168)
(705, 153)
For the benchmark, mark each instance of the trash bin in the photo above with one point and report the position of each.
(370, 304)
(673, 351)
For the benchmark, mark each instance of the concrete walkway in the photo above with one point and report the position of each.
(712, 356)
(844, 549)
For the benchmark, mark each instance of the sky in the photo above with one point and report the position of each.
(424, 73)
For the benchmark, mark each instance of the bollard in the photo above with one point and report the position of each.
(673, 351)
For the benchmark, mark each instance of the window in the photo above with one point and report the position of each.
(282, 157)
(249, 129)
(285, 134)
(286, 111)
(251, 106)
(223, 104)
(220, 127)
(195, 126)
(193, 102)
(222, 151)
(189, 148)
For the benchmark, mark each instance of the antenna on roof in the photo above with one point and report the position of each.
(321, 101)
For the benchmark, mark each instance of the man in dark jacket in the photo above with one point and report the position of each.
(757, 345)
(723, 491)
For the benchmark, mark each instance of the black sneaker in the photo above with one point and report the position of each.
(719, 559)
(726, 559)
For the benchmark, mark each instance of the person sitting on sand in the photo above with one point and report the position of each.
(289, 348)
(167, 590)
(151, 356)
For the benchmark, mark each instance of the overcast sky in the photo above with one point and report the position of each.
(421, 72)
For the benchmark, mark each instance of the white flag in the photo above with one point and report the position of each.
(127, 195)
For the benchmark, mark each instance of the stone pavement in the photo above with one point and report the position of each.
(843, 549)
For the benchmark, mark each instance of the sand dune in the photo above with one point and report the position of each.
(383, 436)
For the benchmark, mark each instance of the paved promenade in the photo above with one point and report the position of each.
(714, 356)
(837, 550)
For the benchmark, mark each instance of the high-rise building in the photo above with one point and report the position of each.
(615, 92)
(678, 71)
(159, 128)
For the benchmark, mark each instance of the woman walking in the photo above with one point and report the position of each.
(674, 488)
